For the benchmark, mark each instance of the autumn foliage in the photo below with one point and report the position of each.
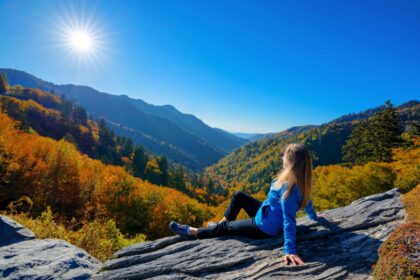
(100, 237)
(54, 174)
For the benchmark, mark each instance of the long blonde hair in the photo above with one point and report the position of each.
(296, 171)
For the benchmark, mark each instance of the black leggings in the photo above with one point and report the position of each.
(246, 227)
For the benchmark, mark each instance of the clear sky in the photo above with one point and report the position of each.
(249, 66)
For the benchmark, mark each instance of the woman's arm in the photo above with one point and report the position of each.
(289, 208)
(309, 209)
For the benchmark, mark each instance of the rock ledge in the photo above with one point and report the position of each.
(24, 257)
(342, 245)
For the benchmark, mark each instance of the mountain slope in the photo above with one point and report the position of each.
(162, 129)
(253, 166)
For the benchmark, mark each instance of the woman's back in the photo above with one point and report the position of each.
(278, 214)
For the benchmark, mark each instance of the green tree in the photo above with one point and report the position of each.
(356, 150)
(210, 187)
(106, 150)
(163, 166)
(178, 179)
(374, 138)
(386, 130)
(139, 163)
(4, 84)
(152, 172)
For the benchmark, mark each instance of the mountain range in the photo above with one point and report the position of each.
(183, 138)
(252, 136)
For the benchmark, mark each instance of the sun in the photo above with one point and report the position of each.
(81, 41)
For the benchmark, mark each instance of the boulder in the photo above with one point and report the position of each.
(343, 244)
(24, 257)
(12, 232)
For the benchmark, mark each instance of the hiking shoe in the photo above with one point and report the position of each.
(181, 230)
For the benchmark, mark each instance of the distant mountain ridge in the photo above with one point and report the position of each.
(183, 138)
(252, 136)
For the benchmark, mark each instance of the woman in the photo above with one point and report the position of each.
(289, 192)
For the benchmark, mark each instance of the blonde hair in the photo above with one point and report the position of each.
(296, 171)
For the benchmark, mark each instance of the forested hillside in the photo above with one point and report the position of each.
(39, 173)
(253, 166)
(49, 115)
(163, 130)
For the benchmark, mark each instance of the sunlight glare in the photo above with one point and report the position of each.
(81, 41)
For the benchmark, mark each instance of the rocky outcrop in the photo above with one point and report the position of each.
(342, 245)
(24, 257)
(12, 232)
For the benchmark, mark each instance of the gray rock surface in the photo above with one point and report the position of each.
(11, 231)
(24, 257)
(342, 245)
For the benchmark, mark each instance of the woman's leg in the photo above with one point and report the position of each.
(227, 225)
(241, 200)
(246, 227)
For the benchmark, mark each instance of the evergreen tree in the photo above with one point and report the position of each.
(80, 115)
(152, 172)
(356, 150)
(127, 147)
(373, 139)
(4, 84)
(67, 111)
(386, 129)
(163, 166)
(107, 147)
(139, 163)
(210, 186)
(178, 179)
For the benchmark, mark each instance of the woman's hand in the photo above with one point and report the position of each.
(291, 258)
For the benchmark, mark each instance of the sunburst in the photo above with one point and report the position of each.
(81, 39)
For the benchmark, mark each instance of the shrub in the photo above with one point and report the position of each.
(398, 255)
(411, 204)
(337, 186)
(100, 238)
(407, 166)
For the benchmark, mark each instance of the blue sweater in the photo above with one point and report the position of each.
(277, 214)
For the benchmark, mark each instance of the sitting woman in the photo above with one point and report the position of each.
(289, 192)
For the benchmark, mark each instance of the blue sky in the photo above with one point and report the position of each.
(250, 66)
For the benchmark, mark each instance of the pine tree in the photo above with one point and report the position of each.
(373, 139)
(4, 84)
(163, 166)
(152, 172)
(139, 163)
(127, 147)
(210, 186)
(178, 179)
(356, 150)
(106, 150)
(386, 129)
